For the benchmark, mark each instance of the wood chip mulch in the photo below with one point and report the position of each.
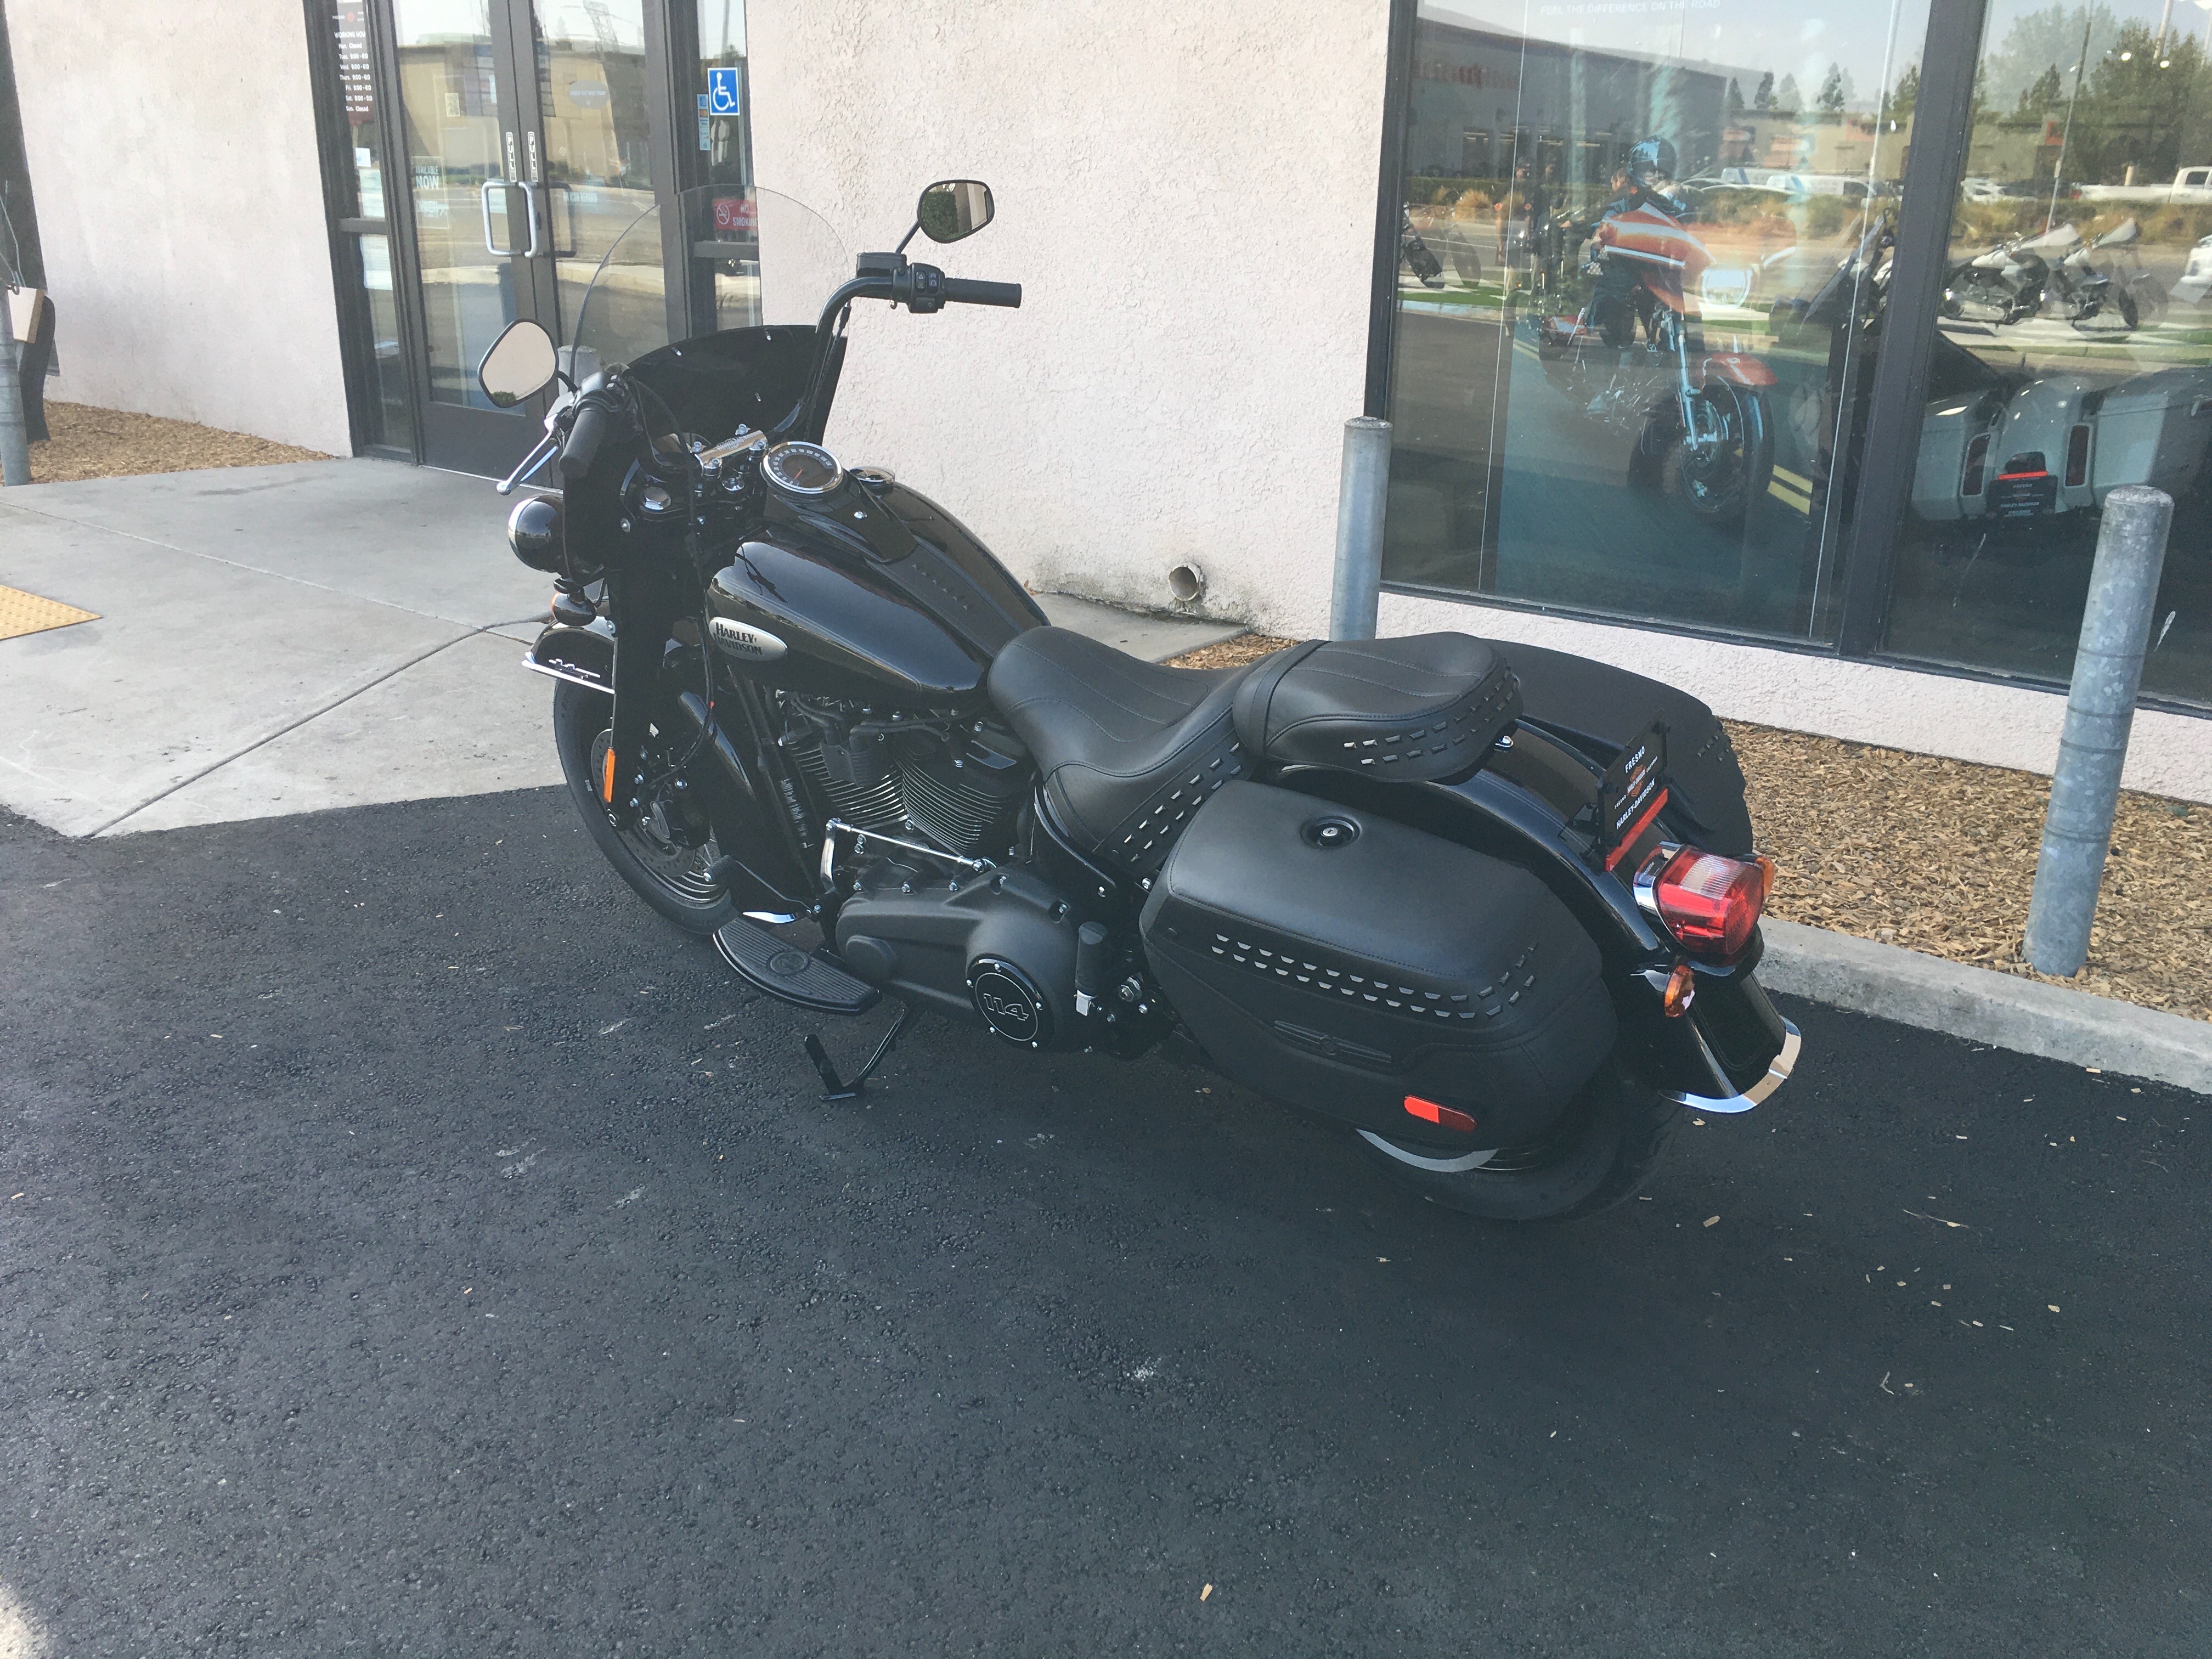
(114, 443)
(1939, 856)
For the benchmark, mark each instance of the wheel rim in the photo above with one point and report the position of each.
(680, 870)
(1712, 474)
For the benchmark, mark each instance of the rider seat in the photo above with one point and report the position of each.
(1129, 751)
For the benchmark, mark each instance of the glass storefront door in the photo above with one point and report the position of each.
(499, 150)
(2074, 353)
(470, 142)
(1636, 245)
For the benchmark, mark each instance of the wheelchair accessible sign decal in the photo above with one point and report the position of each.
(722, 96)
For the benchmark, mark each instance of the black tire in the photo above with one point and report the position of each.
(1720, 488)
(671, 879)
(1601, 1152)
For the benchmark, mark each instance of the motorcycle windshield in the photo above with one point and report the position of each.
(718, 257)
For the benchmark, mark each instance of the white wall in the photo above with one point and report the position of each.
(1186, 196)
(172, 157)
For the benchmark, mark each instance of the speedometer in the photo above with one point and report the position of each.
(802, 469)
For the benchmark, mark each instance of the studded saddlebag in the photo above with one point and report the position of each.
(1335, 959)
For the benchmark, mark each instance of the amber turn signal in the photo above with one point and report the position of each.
(1681, 991)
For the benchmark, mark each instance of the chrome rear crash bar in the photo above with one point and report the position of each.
(1778, 1073)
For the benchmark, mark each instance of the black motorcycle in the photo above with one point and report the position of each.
(1493, 908)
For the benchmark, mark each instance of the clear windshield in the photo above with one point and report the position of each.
(719, 256)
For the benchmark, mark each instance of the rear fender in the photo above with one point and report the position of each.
(1718, 1053)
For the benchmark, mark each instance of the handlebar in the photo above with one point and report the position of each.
(962, 291)
(582, 448)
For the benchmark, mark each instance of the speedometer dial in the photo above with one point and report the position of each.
(801, 469)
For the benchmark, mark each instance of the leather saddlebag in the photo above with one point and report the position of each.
(1340, 961)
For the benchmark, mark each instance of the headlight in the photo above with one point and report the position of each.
(533, 530)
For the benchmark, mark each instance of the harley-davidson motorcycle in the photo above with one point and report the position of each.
(2014, 281)
(1492, 909)
(1698, 417)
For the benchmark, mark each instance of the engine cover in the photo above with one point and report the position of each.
(998, 945)
(1334, 958)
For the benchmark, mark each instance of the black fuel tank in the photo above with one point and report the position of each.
(876, 592)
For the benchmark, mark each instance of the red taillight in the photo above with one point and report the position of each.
(1708, 903)
(1442, 1117)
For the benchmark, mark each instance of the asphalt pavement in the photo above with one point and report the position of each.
(409, 1244)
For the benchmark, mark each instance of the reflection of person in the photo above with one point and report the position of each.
(1646, 179)
(1521, 215)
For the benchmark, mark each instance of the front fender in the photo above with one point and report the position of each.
(582, 656)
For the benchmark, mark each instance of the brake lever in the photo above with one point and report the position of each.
(529, 464)
(546, 446)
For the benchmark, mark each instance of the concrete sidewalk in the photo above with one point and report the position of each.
(288, 639)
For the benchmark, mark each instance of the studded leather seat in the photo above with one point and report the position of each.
(1129, 749)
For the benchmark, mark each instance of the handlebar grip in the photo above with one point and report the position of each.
(582, 448)
(962, 291)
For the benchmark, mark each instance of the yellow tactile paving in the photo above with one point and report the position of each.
(26, 613)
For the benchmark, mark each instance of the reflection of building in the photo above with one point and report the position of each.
(1482, 102)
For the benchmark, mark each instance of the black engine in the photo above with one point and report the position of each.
(959, 783)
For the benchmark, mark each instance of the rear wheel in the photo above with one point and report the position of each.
(1597, 1156)
(665, 855)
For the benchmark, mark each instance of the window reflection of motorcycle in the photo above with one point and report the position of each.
(2013, 280)
(1699, 418)
(1416, 254)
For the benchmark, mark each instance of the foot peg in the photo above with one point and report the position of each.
(839, 1090)
(782, 970)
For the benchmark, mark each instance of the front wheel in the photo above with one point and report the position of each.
(666, 854)
(1720, 475)
(1601, 1151)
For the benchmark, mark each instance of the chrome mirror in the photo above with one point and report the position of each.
(520, 365)
(953, 208)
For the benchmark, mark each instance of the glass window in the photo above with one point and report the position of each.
(592, 95)
(1637, 240)
(449, 86)
(725, 238)
(2075, 348)
(390, 414)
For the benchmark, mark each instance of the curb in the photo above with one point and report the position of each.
(2002, 1010)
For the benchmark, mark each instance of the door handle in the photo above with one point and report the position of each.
(530, 200)
(484, 195)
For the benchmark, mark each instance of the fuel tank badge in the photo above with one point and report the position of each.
(743, 640)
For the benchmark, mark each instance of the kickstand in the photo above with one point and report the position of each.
(859, 1086)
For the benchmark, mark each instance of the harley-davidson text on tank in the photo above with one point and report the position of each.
(742, 639)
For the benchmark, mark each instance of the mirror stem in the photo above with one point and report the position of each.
(909, 237)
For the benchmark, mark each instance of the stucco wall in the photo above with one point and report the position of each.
(1188, 198)
(172, 150)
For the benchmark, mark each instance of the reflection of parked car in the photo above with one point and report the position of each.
(1999, 446)
(2197, 280)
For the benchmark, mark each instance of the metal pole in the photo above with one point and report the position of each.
(1361, 492)
(15, 441)
(2077, 829)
